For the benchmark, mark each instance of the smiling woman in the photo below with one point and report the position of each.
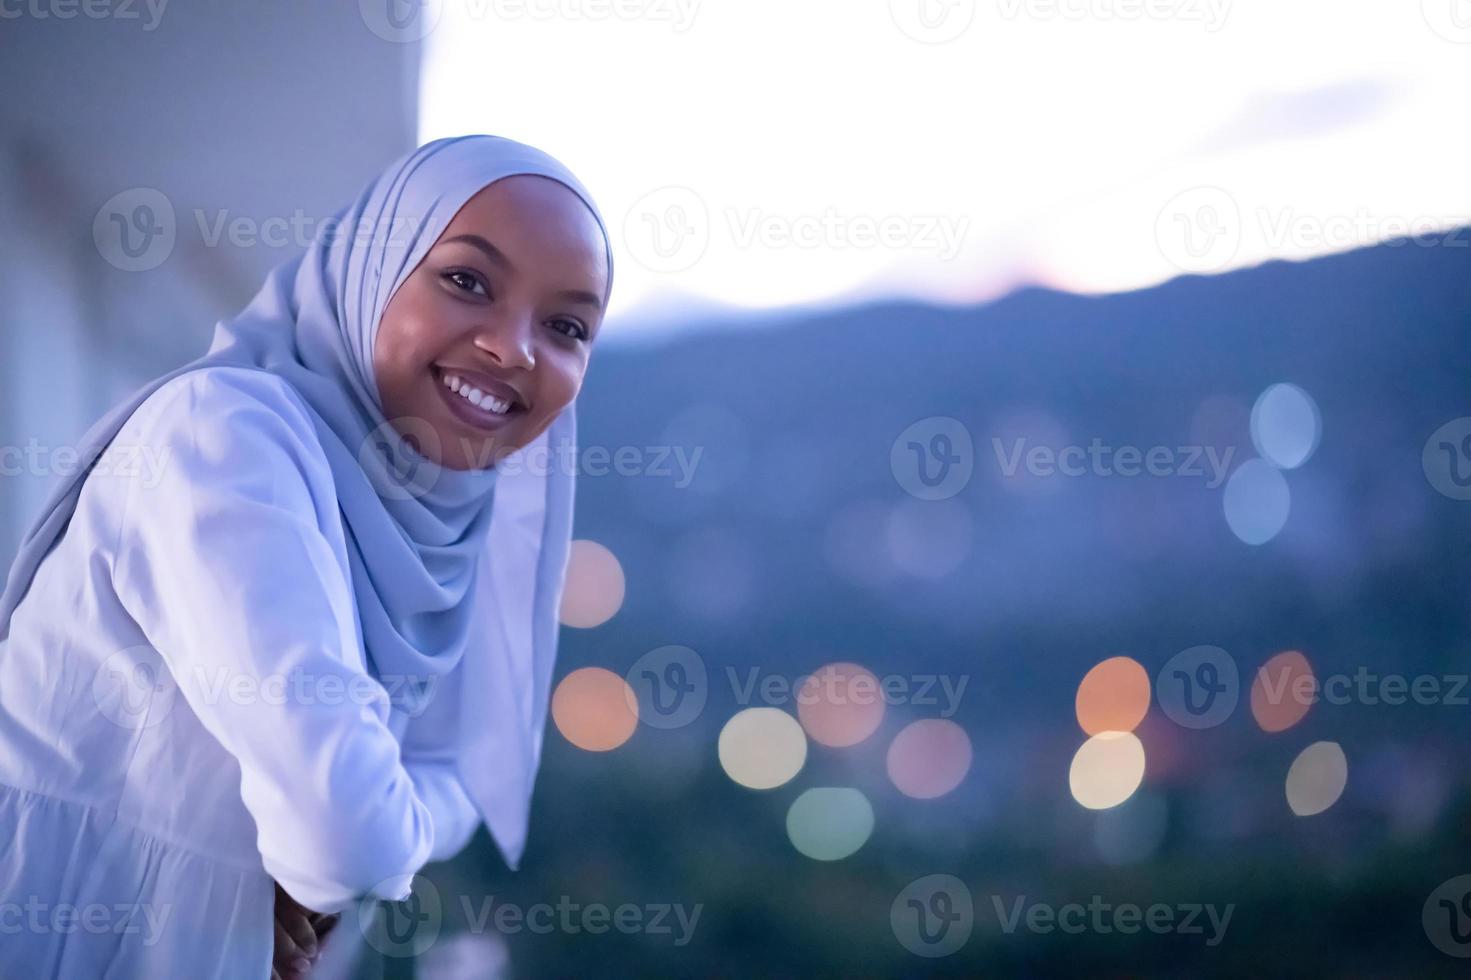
(286, 654)
(488, 339)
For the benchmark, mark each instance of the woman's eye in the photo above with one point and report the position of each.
(467, 281)
(570, 327)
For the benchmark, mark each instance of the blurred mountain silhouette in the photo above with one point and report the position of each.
(789, 526)
(795, 543)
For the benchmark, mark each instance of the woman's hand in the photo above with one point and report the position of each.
(299, 936)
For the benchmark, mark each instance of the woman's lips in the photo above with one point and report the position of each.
(471, 414)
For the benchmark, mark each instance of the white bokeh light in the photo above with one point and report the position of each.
(1285, 426)
(1256, 501)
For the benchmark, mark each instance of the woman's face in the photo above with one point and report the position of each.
(488, 338)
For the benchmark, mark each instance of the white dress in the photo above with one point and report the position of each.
(186, 712)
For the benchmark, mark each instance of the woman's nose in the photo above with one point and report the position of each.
(509, 342)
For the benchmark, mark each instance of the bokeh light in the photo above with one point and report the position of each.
(1107, 769)
(1317, 778)
(594, 709)
(761, 748)
(928, 538)
(1256, 501)
(828, 823)
(1285, 426)
(595, 586)
(1283, 691)
(1113, 696)
(840, 704)
(929, 758)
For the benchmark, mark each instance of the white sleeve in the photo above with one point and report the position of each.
(225, 567)
(431, 755)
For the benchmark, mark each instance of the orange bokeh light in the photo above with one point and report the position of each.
(1113, 696)
(1283, 691)
(594, 709)
(840, 704)
(594, 587)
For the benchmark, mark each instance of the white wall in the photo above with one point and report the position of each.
(272, 111)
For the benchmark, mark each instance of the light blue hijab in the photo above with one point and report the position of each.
(415, 531)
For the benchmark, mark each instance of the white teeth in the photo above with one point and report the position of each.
(475, 396)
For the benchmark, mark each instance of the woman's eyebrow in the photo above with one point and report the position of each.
(498, 257)
(582, 296)
(491, 252)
